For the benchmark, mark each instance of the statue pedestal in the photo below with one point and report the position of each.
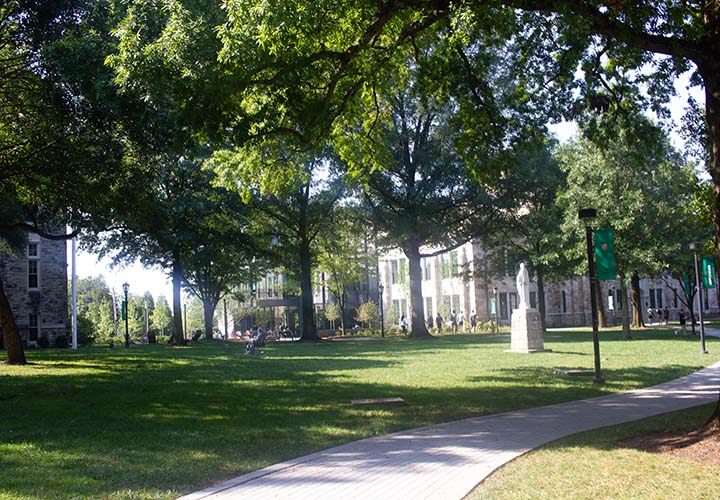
(527, 333)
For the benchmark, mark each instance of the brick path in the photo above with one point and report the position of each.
(447, 461)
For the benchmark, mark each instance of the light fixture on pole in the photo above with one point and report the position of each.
(381, 288)
(126, 288)
(698, 284)
(587, 215)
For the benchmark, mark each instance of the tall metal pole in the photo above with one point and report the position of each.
(598, 378)
(698, 284)
(127, 315)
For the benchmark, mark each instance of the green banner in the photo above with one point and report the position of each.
(605, 254)
(492, 306)
(123, 311)
(708, 271)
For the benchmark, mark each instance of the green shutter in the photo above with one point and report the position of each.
(605, 254)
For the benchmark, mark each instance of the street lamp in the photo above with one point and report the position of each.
(495, 294)
(587, 215)
(381, 288)
(698, 284)
(125, 288)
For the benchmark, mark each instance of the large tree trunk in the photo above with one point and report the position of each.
(11, 336)
(627, 333)
(709, 69)
(636, 299)
(209, 305)
(541, 296)
(309, 330)
(178, 337)
(417, 307)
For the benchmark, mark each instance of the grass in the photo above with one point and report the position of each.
(595, 465)
(154, 422)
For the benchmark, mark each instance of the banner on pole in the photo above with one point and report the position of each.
(708, 271)
(686, 284)
(123, 311)
(605, 254)
(492, 306)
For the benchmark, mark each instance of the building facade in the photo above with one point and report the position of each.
(458, 281)
(36, 285)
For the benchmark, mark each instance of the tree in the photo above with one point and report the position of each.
(95, 303)
(161, 317)
(529, 226)
(59, 147)
(368, 313)
(641, 188)
(423, 177)
(333, 312)
(281, 182)
(343, 255)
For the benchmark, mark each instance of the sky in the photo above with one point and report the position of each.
(156, 282)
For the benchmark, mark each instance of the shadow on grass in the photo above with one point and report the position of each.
(153, 421)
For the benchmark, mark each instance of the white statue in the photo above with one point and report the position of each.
(523, 287)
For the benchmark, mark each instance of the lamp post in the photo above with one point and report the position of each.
(495, 295)
(587, 215)
(381, 288)
(698, 285)
(125, 288)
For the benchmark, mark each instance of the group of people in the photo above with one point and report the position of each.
(659, 316)
(456, 322)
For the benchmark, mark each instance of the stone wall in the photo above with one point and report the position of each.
(48, 302)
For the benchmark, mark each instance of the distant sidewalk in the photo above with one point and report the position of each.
(447, 461)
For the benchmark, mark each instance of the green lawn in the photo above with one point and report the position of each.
(597, 465)
(156, 422)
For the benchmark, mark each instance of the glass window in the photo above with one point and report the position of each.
(33, 328)
(394, 272)
(652, 298)
(503, 306)
(427, 268)
(611, 300)
(429, 306)
(33, 277)
(533, 300)
(564, 301)
(619, 300)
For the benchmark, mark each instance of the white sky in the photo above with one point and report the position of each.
(157, 283)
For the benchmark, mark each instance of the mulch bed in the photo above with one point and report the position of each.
(700, 445)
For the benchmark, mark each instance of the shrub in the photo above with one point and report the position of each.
(61, 341)
(43, 342)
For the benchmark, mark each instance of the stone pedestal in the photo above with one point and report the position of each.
(527, 333)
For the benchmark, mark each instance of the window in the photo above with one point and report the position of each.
(33, 252)
(503, 306)
(33, 329)
(675, 297)
(394, 272)
(428, 306)
(513, 300)
(564, 302)
(533, 300)
(659, 301)
(427, 268)
(611, 300)
(652, 298)
(619, 300)
(404, 270)
(453, 263)
(445, 271)
(706, 299)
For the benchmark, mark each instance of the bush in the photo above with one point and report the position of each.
(43, 342)
(61, 341)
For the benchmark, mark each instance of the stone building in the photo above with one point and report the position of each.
(458, 280)
(37, 288)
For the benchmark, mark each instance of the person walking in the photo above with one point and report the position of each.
(439, 322)
(473, 321)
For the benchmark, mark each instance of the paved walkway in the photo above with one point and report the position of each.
(447, 461)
